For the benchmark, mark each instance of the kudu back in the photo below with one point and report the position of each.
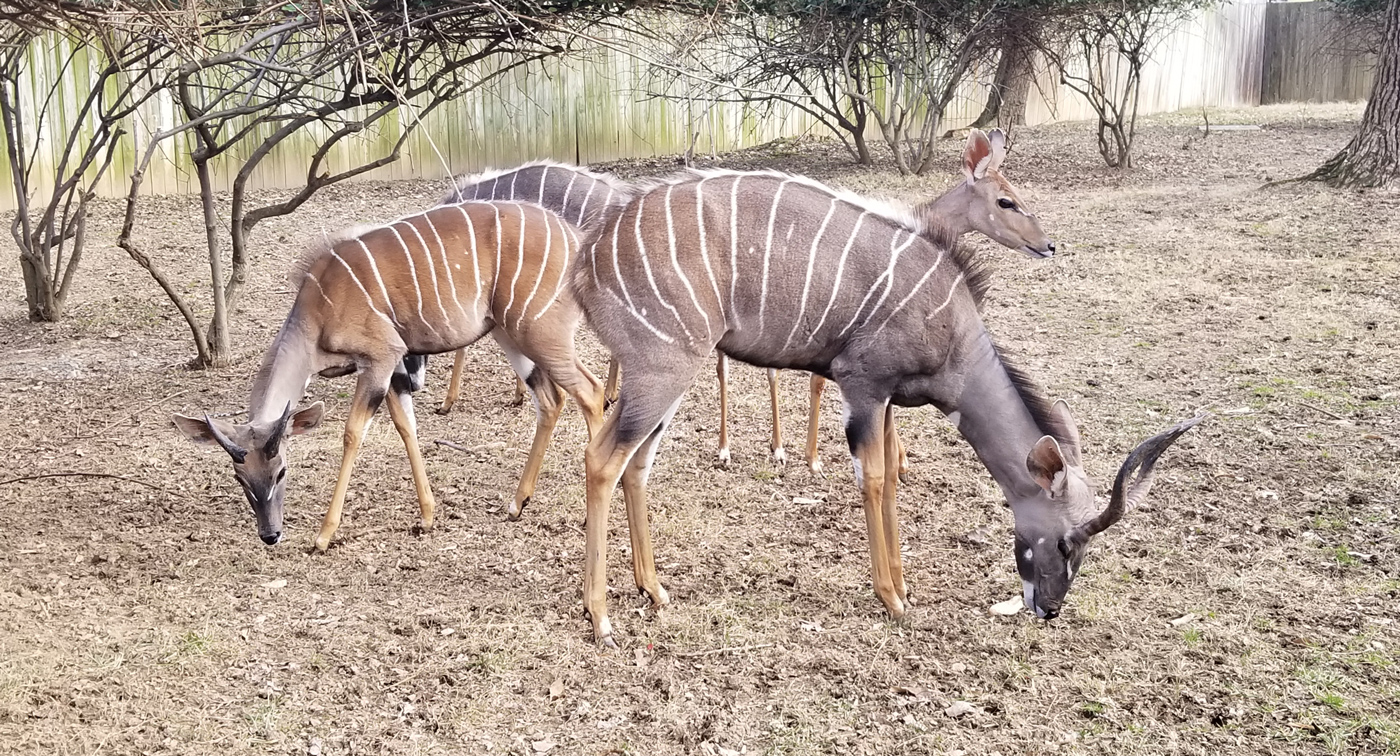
(782, 272)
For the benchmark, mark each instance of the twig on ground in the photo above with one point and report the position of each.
(153, 487)
(1328, 413)
(725, 650)
(471, 449)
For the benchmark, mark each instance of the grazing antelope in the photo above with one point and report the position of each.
(428, 283)
(574, 193)
(984, 202)
(782, 272)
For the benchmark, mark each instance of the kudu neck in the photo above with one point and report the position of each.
(286, 368)
(991, 413)
(952, 211)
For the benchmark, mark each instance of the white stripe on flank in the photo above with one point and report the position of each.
(840, 270)
(570, 242)
(432, 267)
(581, 208)
(946, 300)
(476, 267)
(322, 289)
(564, 203)
(704, 248)
(496, 276)
(361, 286)
(519, 257)
(646, 266)
(811, 263)
(617, 271)
(908, 296)
(513, 176)
(382, 289)
(543, 266)
(767, 250)
(675, 264)
(544, 174)
(495, 183)
(887, 277)
(413, 272)
(733, 246)
(446, 267)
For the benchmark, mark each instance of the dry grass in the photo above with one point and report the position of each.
(135, 620)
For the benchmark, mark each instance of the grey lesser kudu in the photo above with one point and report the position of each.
(984, 202)
(431, 282)
(782, 272)
(574, 193)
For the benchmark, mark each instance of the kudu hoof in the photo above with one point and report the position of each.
(443, 410)
(422, 528)
(780, 456)
(659, 597)
(516, 510)
(724, 457)
(321, 543)
(816, 467)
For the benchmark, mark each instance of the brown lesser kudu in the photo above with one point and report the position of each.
(780, 271)
(428, 283)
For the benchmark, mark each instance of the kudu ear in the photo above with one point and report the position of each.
(997, 139)
(306, 419)
(977, 155)
(1046, 461)
(196, 429)
(1075, 449)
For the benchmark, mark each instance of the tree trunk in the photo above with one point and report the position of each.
(1372, 158)
(217, 334)
(1006, 102)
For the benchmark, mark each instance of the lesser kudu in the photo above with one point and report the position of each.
(431, 282)
(782, 272)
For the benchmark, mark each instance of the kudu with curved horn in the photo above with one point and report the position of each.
(431, 282)
(780, 271)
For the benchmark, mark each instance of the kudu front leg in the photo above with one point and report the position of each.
(775, 444)
(369, 392)
(722, 373)
(889, 512)
(865, 429)
(454, 384)
(634, 492)
(814, 411)
(614, 379)
(401, 412)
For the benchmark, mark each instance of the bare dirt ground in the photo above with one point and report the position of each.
(143, 616)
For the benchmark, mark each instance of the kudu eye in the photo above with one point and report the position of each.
(1064, 548)
(1006, 204)
(281, 474)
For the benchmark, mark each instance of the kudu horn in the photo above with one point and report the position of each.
(1140, 460)
(275, 438)
(234, 450)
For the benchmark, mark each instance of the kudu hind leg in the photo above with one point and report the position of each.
(369, 392)
(549, 402)
(722, 373)
(647, 401)
(634, 492)
(401, 412)
(614, 378)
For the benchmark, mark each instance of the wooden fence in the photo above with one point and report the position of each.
(596, 107)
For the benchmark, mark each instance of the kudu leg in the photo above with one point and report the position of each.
(814, 412)
(549, 401)
(646, 403)
(614, 378)
(775, 444)
(454, 385)
(369, 392)
(634, 492)
(401, 412)
(889, 513)
(722, 372)
(520, 391)
(865, 430)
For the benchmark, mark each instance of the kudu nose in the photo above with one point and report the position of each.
(1050, 246)
(272, 539)
(1049, 613)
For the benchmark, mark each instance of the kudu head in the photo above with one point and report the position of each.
(259, 462)
(1054, 527)
(989, 202)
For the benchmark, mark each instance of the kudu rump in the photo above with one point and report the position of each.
(428, 283)
(574, 193)
(984, 202)
(782, 272)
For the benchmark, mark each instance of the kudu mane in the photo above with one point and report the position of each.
(621, 190)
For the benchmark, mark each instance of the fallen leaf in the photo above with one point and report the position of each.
(275, 584)
(1009, 607)
(805, 500)
(959, 708)
(543, 746)
(641, 657)
(556, 689)
(1182, 620)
